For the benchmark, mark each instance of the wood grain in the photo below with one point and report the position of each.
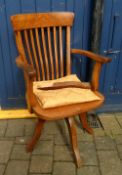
(55, 51)
(36, 20)
(61, 52)
(45, 54)
(50, 53)
(40, 54)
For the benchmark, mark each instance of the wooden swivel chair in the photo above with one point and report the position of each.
(43, 43)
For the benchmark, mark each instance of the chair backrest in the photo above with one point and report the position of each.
(43, 40)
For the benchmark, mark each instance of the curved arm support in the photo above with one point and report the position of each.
(91, 55)
(97, 66)
(30, 76)
(25, 67)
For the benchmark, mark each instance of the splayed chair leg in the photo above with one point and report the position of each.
(36, 136)
(84, 122)
(73, 137)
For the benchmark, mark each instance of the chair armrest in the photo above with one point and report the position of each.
(25, 67)
(100, 60)
(30, 76)
(91, 55)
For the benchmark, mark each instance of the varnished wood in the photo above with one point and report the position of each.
(84, 123)
(91, 55)
(36, 136)
(40, 54)
(55, 51)
(26, 67)
(36, 20)
(45, 54)
(68, 50)
(61, 52)
(20, 46)
(68, 110)
(50, 53)
(28, 47)
(45, 31)
(35, 54)
(73, 137)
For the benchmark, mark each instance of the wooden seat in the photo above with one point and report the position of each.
(43, 42)
(66, 111)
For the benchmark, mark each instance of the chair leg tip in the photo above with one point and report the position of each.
(29, 149)
(89, 130)
(79, 164)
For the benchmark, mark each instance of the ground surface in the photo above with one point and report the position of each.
(101, 154)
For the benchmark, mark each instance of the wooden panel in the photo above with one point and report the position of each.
(37, 20)
(60, 5)
(4, 55)
(111, 40)
(28, 6)
(43, 6)
(3, 87)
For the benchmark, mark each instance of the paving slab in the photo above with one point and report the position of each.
(108, 157)
(15, 128)
(39, 174)
(101, 154)
(16, 167)
(88, 153)
(99, 132)
(29, 127)
(63, 153)
(3, 126)
(2, 169)
(5, 150)
(54, 127)
(116, 131)
(64, 168)
(109, 121)
(41, 164)
(85, 137)
(22, 140)
(119, 147)
(19, 152)
(105, 143)
(45, 137)
(62, 139)
(88, 170)
(118, 139)
(44, 148)
(107, 169)
(119, 118)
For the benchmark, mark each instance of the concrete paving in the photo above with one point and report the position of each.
(101, 154)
